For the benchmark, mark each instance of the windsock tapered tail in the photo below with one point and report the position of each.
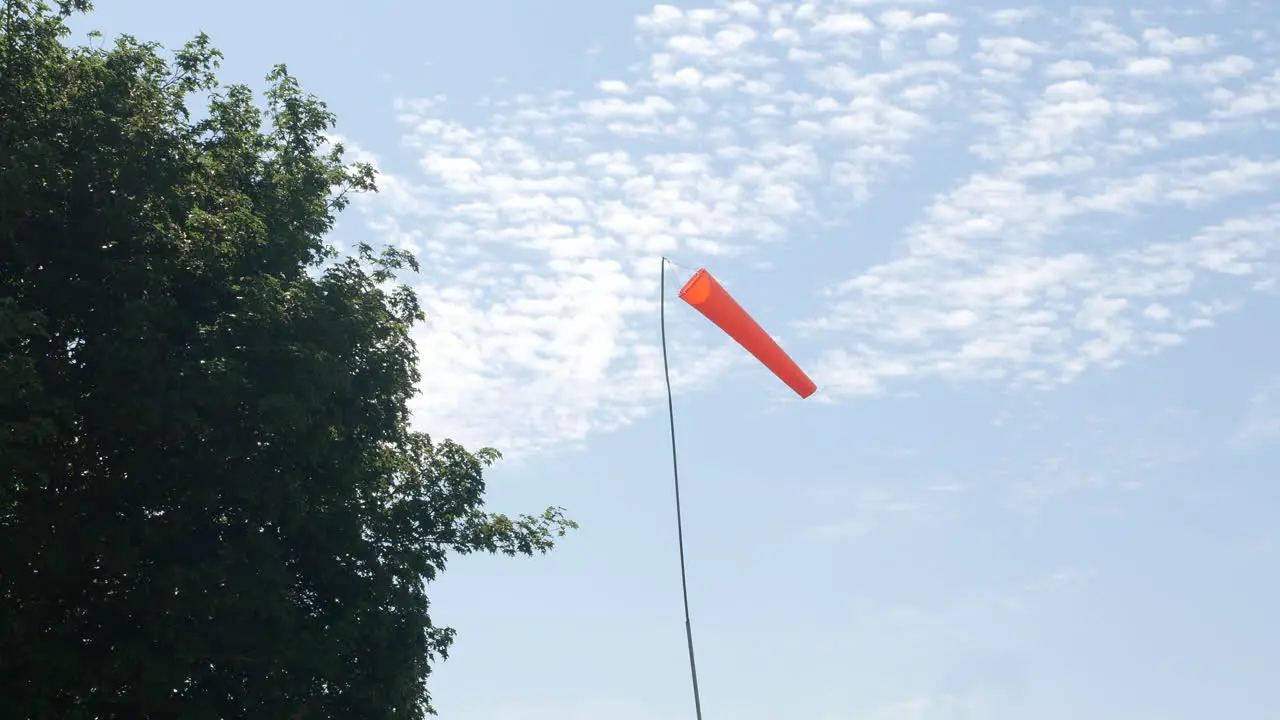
(715, 303)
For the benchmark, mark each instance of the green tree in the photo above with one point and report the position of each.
(211, 503)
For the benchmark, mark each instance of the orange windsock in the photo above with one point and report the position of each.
(717, 305)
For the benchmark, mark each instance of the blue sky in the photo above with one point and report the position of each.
(1030, 254)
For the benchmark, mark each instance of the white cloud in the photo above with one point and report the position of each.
(650, 107)
(1069, 69)
(1105, 38)
(1012, 16)
(1034, 317)
(1224, 68)
(942, 44)
(745, 8)
(844, 24)
(662, 18)
(693, 45)
(1148, 67)
(539, 226)
(614, 87)
(1163, 41)
(1007, 53)
(1258, 98)
(1185, 129)
(904, 20)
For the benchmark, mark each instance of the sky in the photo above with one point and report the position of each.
(1029, 253)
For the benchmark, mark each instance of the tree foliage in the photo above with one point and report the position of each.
(211, 502)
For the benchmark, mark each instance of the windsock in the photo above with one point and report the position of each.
(715, 303)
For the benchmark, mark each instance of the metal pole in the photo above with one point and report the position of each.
(675, 473)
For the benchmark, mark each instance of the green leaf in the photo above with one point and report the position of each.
(211, 503)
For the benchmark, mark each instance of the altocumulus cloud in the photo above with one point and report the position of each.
(539, 227)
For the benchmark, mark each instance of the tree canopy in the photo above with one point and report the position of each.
(212, 504)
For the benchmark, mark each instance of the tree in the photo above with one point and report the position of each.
(211, 502)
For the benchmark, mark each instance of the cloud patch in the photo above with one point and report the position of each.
(1047, 254)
